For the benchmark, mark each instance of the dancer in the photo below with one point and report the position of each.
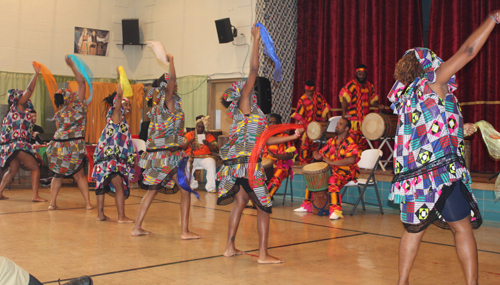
(15, 146)
(431, 181)
(163, 152)
(66, 152)
(114, 157)
(248, 124)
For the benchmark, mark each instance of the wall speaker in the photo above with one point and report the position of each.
(264, 97)
(130, 31)
(224, 31)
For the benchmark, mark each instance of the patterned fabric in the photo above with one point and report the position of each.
(429, 146)
(307, 111)
(199, 150)
(282, 168)
(243, 134)
(336, 150)
(280, 18)
(16, 130)
(15, 94)
(165, 131)
(66, 156)
(114, 154)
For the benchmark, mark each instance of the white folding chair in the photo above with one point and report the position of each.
(333, 123)
(369, 160)
(139, 144)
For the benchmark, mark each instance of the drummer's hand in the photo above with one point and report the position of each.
(206, 142)
(381, 106)
(191, 141)
(317, 156)
(299, 132)
(271, 154)
(469, 129)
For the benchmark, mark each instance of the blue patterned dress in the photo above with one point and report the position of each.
(114, 155)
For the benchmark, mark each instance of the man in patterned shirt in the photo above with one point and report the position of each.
(342, 154)
(312, 106)
(356, 97)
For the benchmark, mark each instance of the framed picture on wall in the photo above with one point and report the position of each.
(91, 41)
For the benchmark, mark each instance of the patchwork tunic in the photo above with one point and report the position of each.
(308, 111)
(244, 132)
(429, 150)
(66, 151)
(114, 155)
(16, 134)
(163, 153)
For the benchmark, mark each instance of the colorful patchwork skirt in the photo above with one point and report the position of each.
(8, 151)
(105, 170)
(227, 176)
(159, 169)
(66, 157)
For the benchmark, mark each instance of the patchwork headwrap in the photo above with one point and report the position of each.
(15, 95)
(68, 99)
(233, 94)
(110, 111)
(429, 62)
(161, 89)
(205, 121)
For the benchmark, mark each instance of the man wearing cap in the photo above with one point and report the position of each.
(312, 106)
(356, 97)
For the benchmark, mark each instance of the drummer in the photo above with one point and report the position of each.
(282, 156)
(342, 154)
(312, 106)
(201, 153)
(356, 97)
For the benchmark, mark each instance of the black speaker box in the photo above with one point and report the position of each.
(130, 31)
(224, 31)
(264, 97)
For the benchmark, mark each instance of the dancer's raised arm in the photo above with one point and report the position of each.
(79, 79)
(244, 102)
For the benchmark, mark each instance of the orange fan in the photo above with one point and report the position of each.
(259, 146)
(50, 81)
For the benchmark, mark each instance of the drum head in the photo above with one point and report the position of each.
(315, 166)
(314, 130)
(267, 162)
(373, 126)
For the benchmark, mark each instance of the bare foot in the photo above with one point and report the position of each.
(233, 252)
(190, 235)
(52, 207)
(125, 221)
(2, 197)
(38, 199)
(139, 232)
(269, 259)
(89, 207)
(103, 218)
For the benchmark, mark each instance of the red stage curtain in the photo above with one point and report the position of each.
(335, 36)
(450, 24)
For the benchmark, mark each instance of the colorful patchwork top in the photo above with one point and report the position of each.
(115, 143)
(311, 110)
(336, 150)
(429, 146)
(16, 128)
(72, 123)
(166, 129)
(359, 98)
(199, 150)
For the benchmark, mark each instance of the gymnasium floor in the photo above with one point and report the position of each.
(360, 249)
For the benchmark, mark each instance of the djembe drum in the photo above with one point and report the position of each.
(379, 126)
(316, 177)
(315, 130)
(268, 165)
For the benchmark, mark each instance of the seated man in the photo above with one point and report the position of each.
(35, 138)
(201, 153)
(282, 156)
(342, 154)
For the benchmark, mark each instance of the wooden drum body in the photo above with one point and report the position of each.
(268, 165)
(222, 140)
(316, 176)
(216, 134)
(378, 126)
(315, 130)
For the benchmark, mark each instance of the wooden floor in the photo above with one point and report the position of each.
(360, 249)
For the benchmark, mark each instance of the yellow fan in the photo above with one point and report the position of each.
(127, 90)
